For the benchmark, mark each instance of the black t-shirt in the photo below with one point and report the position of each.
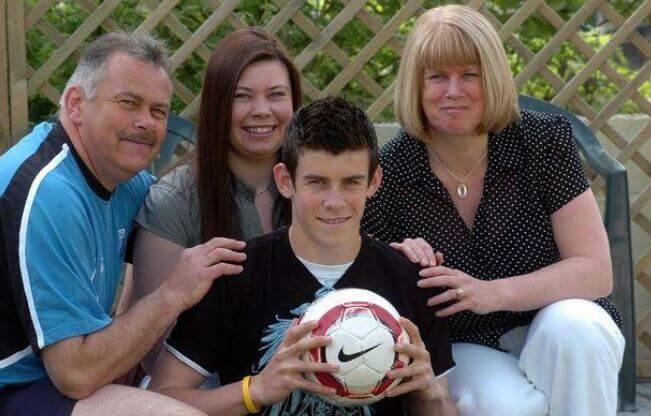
(533, 170)
(240, 322)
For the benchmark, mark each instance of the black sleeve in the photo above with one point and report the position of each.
(434, 331)
(562, 176)
(201, 336)
(194, 340)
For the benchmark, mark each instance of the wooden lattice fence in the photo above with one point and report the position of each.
(26, 82)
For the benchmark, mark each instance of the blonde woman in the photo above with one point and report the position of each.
(500, 193)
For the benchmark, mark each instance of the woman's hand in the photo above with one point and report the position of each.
(417, 250)
(284, 372)
(418, 377)
(467, 292)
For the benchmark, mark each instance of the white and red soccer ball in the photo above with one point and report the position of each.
(364, 329)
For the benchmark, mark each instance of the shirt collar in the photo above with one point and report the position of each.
(60, 135)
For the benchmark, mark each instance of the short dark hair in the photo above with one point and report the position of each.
(332, 124)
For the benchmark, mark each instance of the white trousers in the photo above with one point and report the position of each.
(564, 364)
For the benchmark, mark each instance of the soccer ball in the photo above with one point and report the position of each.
(364, 329)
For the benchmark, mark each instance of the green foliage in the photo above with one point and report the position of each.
(535, 34)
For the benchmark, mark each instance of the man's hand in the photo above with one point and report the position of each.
(200, 265)
(419, 251)
(284, 372)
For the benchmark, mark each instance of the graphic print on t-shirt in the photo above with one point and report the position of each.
(299, 402)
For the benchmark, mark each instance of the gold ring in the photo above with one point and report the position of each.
(459, 293)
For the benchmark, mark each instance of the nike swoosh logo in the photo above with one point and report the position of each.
(343, 357)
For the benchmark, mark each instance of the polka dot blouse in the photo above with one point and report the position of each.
(533, 170)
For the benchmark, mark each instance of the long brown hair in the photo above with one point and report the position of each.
(214, 177)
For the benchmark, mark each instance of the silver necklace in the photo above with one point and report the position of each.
(261, 189)
(462, 188)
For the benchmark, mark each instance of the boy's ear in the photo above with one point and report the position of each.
(374, 183)
(283, 180)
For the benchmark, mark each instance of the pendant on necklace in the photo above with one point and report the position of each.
(462, 190)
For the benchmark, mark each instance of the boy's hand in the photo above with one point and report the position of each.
(418, 377)
(284, 372)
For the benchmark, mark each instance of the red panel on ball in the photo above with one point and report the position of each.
(328, 319)
(328, 380)
(383, 385)
(387, 319)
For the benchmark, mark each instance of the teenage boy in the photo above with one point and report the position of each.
(245, 326)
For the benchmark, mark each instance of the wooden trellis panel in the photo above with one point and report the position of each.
(5, 128)
(18, 110)
(19, 82)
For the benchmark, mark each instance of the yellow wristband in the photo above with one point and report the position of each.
(246, 395)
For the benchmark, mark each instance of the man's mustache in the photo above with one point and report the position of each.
(139, 136)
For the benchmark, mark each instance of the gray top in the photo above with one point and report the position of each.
(171, 209)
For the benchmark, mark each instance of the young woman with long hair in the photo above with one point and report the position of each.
(224, 187)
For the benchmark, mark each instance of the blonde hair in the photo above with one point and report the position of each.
(455, 35)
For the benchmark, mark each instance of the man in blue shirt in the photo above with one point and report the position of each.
(68, 194)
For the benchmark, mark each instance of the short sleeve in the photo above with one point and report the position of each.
(59, 264)
(194, 340)
(203, 335)
(170, 211)
(563, 178)
(138, 187)
(437, 341)
(434, 330)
